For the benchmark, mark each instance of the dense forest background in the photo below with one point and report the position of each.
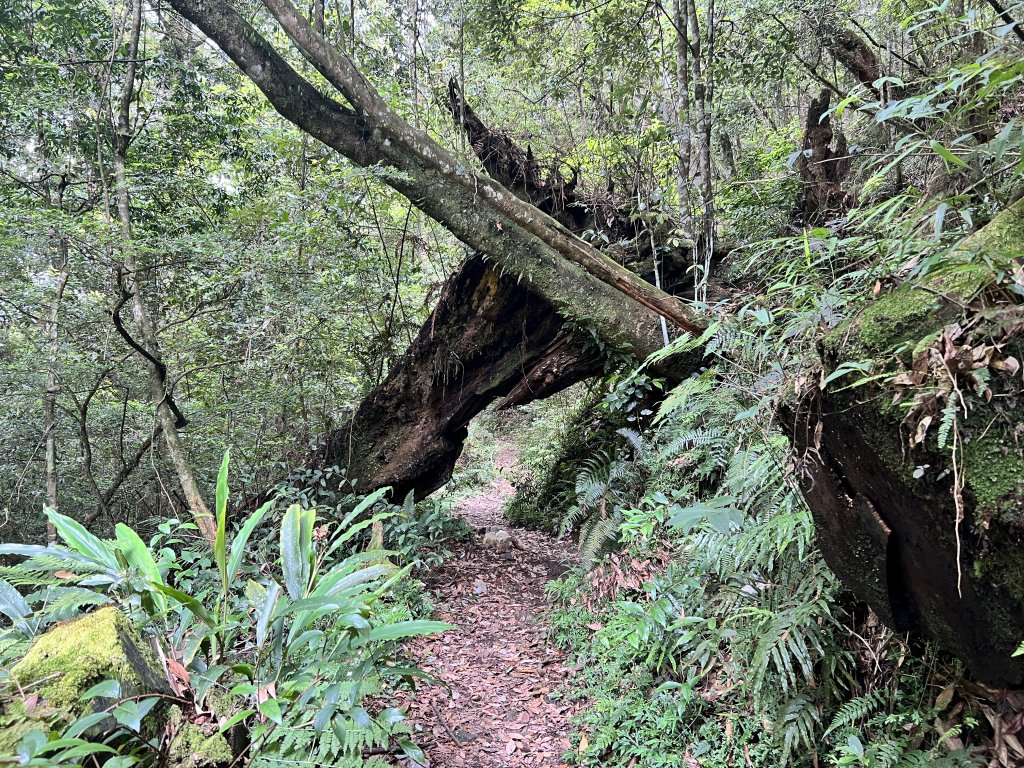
(186, 268)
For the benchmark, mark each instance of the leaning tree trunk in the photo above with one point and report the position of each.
(490, 339)
(534, 256)
(572, 275)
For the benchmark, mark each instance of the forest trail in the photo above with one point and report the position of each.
(504, 708)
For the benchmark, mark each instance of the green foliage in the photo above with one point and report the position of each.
(734, 646)
(422, 531)
(551, 451)
(294, 644)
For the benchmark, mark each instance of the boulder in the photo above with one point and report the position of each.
(65, 662)
(498, 539)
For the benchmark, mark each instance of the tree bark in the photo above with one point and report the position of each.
(53, 388)
(168, 419)
(823, 166)
(928, 535)
(854, 54)
(487, 338)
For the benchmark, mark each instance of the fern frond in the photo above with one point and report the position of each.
(796, 726)
(597, 535)
(61, 603)
(856, 711)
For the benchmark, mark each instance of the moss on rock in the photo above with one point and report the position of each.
(75, 655)
(192, 748)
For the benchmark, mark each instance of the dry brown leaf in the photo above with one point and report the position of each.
(921, 431)
(1009, 365)
(178, 671)
(944, 698)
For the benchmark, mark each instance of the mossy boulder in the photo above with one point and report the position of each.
(47, 684)
(65, 662)
(193, 747)
(75, 655)
(886, 512)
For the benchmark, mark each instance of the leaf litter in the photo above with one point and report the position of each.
(500, 700)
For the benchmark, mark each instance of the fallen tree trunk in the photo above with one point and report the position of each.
(537, 266)
(490, 338)
(523, 240)
(486, 339)
(929, 531)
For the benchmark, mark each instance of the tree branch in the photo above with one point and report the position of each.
(478, 210)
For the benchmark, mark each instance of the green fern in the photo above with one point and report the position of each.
(61, 603)
(796, 726)
(596, 536)
(856, 711)
(948, 422)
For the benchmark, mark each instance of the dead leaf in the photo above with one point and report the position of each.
(179, 672)
(1008, 365)
(944, 697)
(922, 430)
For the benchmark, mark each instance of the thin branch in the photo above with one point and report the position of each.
(1006, 17)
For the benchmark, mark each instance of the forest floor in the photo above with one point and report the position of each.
(504, 707)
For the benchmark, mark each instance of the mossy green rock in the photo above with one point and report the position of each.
(192, 748)
(73, 656)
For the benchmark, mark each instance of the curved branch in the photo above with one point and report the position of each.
(180, 422)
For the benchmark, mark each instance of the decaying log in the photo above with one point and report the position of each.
(823, 165)
(886, 511)
(487, 339)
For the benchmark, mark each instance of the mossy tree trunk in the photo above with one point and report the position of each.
(887, 511)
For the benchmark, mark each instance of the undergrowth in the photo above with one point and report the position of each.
(560, 434)
(716, 636)
(280, 641)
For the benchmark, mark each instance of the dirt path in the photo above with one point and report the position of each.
(503, 709)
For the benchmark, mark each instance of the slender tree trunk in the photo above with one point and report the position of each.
(53, 388)
(167, 420)
(701, 54)
(684, 123)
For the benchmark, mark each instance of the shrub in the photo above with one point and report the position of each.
(283, 649)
